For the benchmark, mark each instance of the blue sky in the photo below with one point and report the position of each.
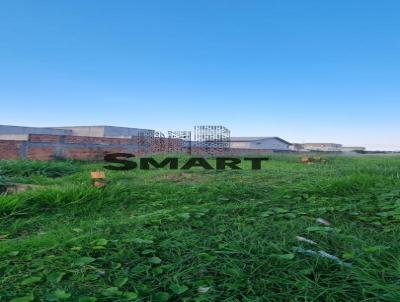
(307, 71)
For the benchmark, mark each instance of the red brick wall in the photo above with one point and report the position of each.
(91, 153)
(41, 153)
(10, 149)
(46, 147)
(82, 153)
(43, 138)
(96, 140)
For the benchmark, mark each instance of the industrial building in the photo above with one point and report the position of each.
(21, 133)
(325, 147)
(353, 149)
(107, 131)
(266, 143)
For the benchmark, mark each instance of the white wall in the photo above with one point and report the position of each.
(93, 131)
(14, 137)
(5, 129)
(268, 143)
(240, 145)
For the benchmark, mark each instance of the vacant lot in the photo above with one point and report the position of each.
(200, 235)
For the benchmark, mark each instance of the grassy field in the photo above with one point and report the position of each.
(198, 235)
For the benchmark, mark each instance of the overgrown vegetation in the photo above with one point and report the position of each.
(3, 184)
(28, 168)
(164, 235)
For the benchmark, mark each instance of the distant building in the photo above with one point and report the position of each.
(270, 143)
(353, 149)
(108, 131)
(296, 147)
(324, 147)
(327, 147)
(21, 133)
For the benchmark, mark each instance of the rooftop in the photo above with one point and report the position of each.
(256, 138)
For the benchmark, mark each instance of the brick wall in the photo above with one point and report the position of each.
(91, 153)
(40, 153)
(44, 138)
(10, 149)
(98, 140)
(48, 147)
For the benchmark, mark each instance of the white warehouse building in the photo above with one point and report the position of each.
(269, 143)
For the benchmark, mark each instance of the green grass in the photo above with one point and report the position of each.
(26, 168)
(197, 235)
